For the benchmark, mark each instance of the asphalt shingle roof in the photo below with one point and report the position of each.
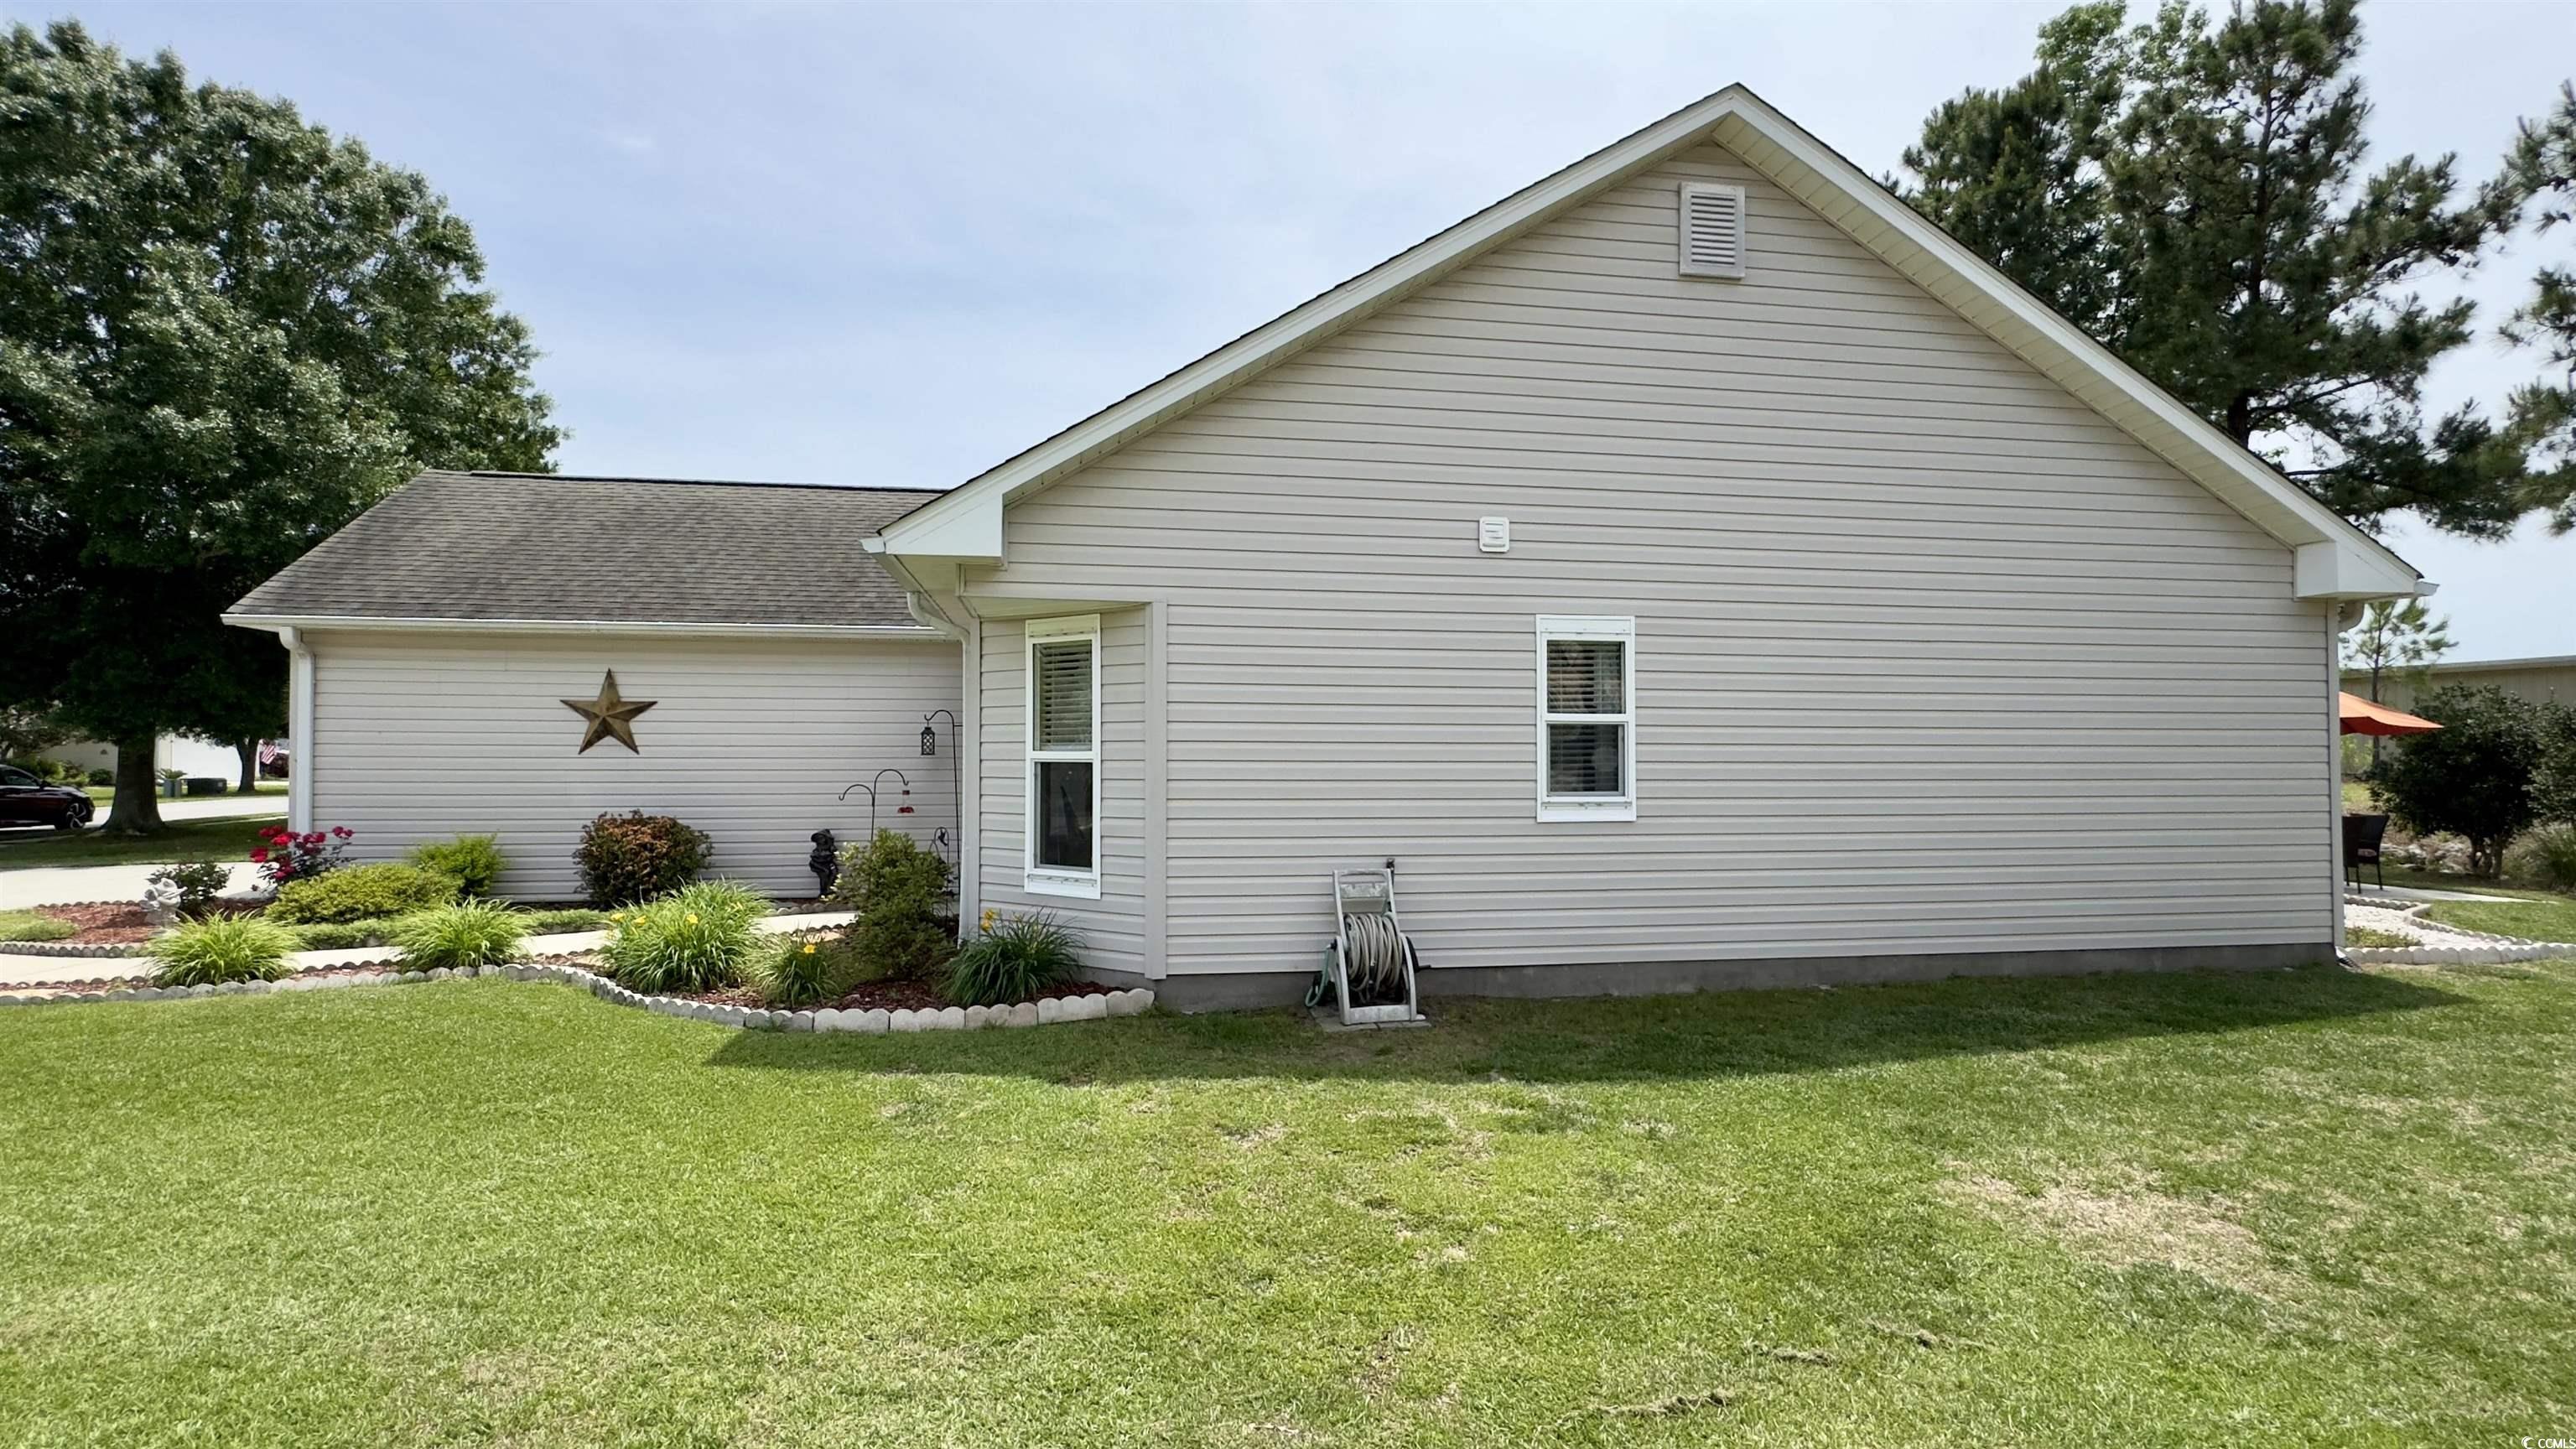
(613, 550)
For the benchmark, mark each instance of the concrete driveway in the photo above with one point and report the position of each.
(221, 807)
(62, 885)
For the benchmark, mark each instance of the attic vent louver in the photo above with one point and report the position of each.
(1712, 227)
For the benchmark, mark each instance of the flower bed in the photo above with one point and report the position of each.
(1088, 1001)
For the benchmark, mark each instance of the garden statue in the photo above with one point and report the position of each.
(161, 902)
(825, 862)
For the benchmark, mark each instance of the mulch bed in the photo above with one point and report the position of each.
(888, 995)
(108, 924)
(121, 923)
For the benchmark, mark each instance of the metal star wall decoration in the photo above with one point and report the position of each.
(611, 716)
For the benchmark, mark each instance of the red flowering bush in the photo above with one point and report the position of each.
(289, 856)
(635, 857)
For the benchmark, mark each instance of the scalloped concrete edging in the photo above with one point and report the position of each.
(2502, 950)
(1046, 1011)
(58, 948)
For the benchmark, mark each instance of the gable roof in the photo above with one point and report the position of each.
(521, 549)
(2334, 558)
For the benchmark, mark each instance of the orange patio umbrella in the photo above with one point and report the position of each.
(2361, 717)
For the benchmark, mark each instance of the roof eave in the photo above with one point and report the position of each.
(665, 628)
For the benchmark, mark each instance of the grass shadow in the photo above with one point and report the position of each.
(1715, 1034)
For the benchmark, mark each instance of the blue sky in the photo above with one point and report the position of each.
(895, 245)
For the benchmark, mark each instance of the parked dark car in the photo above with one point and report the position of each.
(26, 800)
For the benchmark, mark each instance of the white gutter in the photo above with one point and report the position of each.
(276, 623)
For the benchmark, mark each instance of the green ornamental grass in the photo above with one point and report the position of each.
(1015, 959)
(459, 937)
(802, 971)
(698, 938)
(226, 948)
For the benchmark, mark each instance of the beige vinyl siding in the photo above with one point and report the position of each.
(1930, 656)
(424, 736)
(1113, 926)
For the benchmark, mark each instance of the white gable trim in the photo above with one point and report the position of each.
(2334, 559)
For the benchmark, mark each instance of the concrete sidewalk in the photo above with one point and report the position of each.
(62, 885)
(48, 970)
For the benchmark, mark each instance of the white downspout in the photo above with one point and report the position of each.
(2338, 619)
(299, 729)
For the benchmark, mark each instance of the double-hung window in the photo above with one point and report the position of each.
(1587, 718)
(1063, 839)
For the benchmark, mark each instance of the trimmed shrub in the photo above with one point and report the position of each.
(361, 893)
(571, 918)
(901, 894)
(799, 973)
(475, 860)
(101, 779)
(2471, 777)
(198, 883)
(635, 857)
(1015, 958)
(471, 933)
(698, 938)
(227, 948)
(339, 936)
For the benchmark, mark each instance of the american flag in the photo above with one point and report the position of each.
(269, 752)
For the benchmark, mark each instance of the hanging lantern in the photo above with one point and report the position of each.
(929, 740)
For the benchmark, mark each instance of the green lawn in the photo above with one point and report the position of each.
(29, 926)
(2435, 880)
(2534, 917)
(228, 839)
(103, 794)
(2309, 1207)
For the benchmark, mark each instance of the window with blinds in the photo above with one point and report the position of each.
(1586, 718)
(1063, 757)
(1060, 672)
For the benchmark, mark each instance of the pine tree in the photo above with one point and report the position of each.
(2195, 196)
(2542, 167)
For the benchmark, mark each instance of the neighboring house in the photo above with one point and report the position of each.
(1693, 570)
(184, 753)
(436, 639)
(2546, 680)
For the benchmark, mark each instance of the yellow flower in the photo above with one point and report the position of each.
(693, 918)
(990, 916)
(809, 948)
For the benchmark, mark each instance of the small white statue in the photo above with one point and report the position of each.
(161, 900)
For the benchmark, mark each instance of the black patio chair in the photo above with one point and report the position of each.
(2361, 834)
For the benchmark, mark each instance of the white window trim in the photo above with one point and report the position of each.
(1056, 880)
(1623, 631)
